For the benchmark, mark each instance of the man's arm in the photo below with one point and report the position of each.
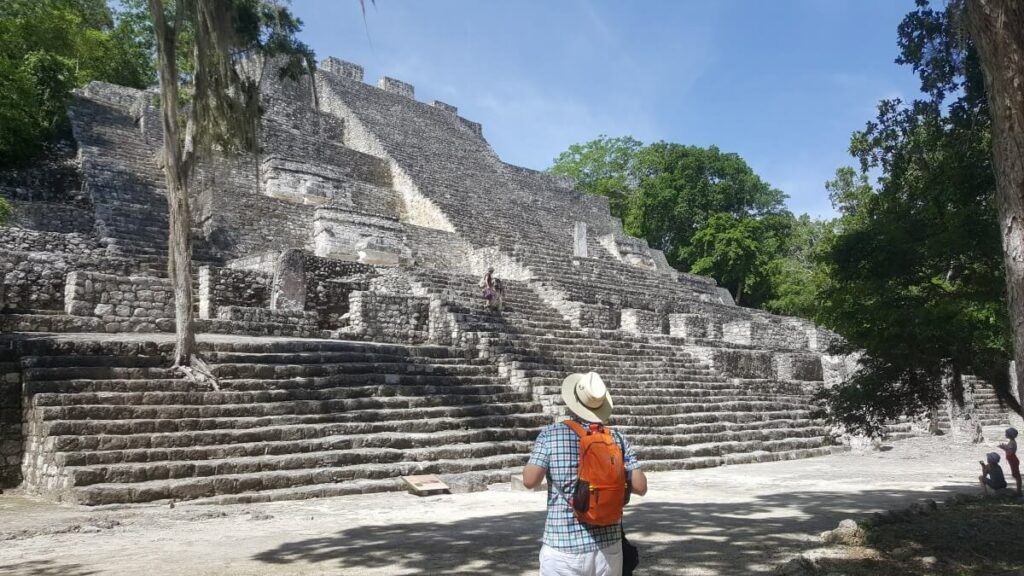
(537, 467)
(533, 476)
(638, 482)
(637, 478)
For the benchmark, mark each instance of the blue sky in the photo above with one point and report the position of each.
(783, 83)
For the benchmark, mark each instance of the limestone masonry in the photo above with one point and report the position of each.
(355, 237)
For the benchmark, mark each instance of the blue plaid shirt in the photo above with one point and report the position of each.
(557, 450)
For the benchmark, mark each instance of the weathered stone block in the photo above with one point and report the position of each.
(289, 287)
(688, 325)
(637, 321)
(806, 367)
(396, 87)
(347, 235)
(342, 68)
(446, 107)
(771, 335)
(579, 239)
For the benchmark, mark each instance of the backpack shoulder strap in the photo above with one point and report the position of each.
(576, 427)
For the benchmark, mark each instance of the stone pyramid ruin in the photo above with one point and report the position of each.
(337, 278)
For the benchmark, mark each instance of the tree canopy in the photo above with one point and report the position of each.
(914, 273)
(50, 47)
(691, 203)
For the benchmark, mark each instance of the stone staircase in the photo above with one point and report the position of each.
(293, 419)
(981, 405)
(677, 410)
(987, 408)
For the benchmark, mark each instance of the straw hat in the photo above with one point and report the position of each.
(587, 397)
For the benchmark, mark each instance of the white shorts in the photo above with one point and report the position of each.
(603, 562)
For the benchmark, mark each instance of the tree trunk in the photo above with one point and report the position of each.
(179, 241)
(997, 29)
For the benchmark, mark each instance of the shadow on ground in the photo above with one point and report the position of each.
(714, 537)
(45, 568)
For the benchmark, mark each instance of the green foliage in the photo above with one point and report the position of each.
(731, 250)
(706, 209)
(604, 167)
(795, 276)
(680, 188)
(914, 273)
(6, 212)
(48, 48)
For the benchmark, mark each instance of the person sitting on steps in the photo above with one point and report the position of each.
(583, 532)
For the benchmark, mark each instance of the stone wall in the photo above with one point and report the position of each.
(10, 424)
(688, 326)
(433, 248)
(754, 364)
(348, 235)
(584, 315)
(25, 240)
(328, 285)
(230, 287)
(238, 221)
(388, 317)
(35, 280)
(798, 366)
(641, 321)
(300, 319)
(53, 217)
(770, 335)
(115, 299)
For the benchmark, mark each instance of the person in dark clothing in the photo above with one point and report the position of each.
(991, 473)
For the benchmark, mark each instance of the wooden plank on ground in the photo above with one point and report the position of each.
(425, 485)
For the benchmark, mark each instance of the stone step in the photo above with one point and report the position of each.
(351, 408)
(138, 472)
(332, 357)
(715, 426)
(622, 420)
(518, 425)
(481, 478)
(680, 408)
(96, 360)
(192, 396)
(97, 373)
(420, 419)
(643, 373)
(285, 371)
(379, 383)
(734, 433)
(521, 437)
(628, 384)
(737, 458)
(209, 486)
(726, 448)
(707, 396)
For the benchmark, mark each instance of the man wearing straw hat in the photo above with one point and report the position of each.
(570, 547)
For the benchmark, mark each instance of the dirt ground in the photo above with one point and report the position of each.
(728, 520)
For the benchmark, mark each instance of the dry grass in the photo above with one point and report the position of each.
(983, 537)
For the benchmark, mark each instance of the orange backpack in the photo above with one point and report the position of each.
(602, 488)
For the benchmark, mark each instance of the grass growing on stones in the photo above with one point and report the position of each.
(967, 538)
